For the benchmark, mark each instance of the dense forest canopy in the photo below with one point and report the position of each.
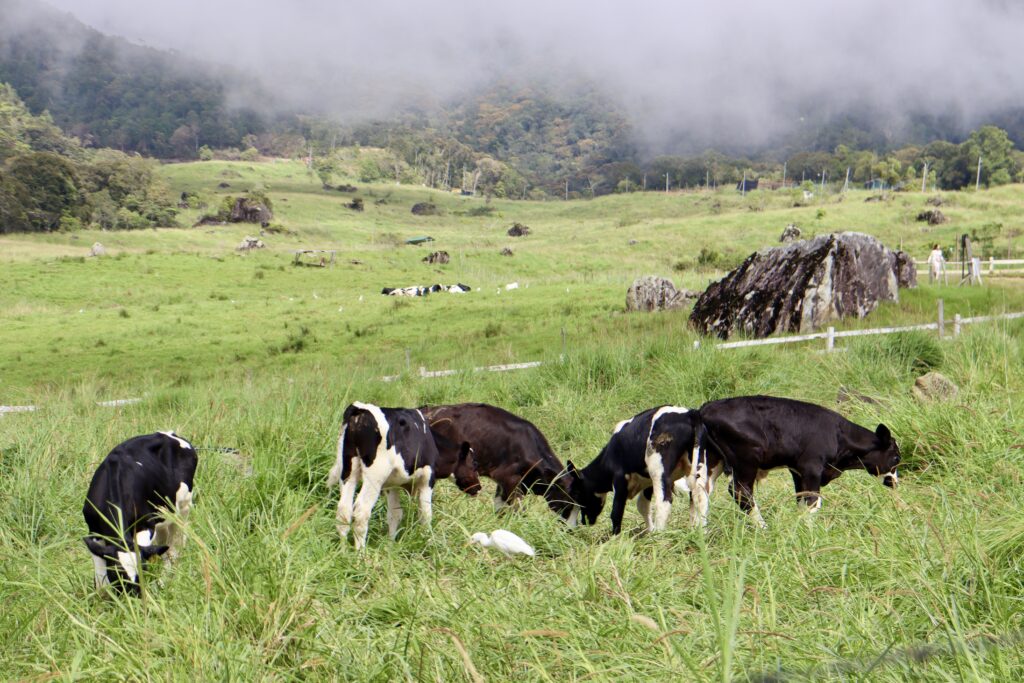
(83, 90)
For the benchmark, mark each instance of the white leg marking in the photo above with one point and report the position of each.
(394, 512)
(643, 506)
(815, 506)
(365, 501)
(426, 493)
(99, 566)
(681, 485)
(499, 504)
(348, 494)
(755, 514)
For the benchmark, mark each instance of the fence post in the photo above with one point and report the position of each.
(830, 340)
(956, 325)
(942, 321)
(562, 357)
(991, 264)
(423, 371)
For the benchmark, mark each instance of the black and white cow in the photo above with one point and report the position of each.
(645, 455)
(125, 506)
(387, 449)
(754, 434)
(420, 290)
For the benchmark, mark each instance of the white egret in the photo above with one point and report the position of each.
(505, 541)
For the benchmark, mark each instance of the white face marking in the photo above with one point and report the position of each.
(815, 506)
(144, 537)
(129, 564)
(892, 476)
(574, 517)
(181, 441)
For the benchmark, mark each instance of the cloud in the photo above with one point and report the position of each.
(743, 72)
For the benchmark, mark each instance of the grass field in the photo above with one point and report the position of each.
(251, 352)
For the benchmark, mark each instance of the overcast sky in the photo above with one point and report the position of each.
(717, 70)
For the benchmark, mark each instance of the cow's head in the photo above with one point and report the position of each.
(122, 565)
(585, 500)
(466, 476)
(883, 458)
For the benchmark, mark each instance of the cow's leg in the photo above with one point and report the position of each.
(175, 532)
(500, 498)
(660, 468)
(365, 501)
(425, 495)
(394, 512)
(742, 488)
(621, 494)
(643, 506)
(700, 490)
(808, 489)
(348, 493)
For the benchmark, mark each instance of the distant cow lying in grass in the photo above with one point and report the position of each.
(754, 434)
(645, 455)
(511, 451)
(124, 507)
(392, 448)
(425, 290)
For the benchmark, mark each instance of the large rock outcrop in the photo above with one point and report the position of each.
(800, 287)
(246, 210)
(652, 293)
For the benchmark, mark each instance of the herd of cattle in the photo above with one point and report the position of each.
(650, 456)
(424, 290)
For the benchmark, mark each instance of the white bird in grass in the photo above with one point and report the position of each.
(505, 541)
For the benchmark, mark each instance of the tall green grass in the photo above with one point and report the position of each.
(920, 583)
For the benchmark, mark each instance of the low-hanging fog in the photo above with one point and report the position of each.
(740, 73)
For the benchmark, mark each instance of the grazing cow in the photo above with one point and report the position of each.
(419, 290)
(124, 508)
(392, 448)
(512, 452)
(645, 455)
(754, 434)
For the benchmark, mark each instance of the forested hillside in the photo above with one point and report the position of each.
(519, 139)
(111, 93)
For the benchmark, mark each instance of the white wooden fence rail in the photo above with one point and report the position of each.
(829, 336)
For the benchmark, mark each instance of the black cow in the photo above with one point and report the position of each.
(646, 454)
(754, 434)
(512, 452)
(124, 508)
(392, 448)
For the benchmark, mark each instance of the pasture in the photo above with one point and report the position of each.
(253, 353)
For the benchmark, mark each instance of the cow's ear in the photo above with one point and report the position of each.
(884, 436)
(150, 551)
(99, 548)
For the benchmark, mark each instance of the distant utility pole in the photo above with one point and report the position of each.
(666, 183)
(645, 182)
(823, 174)
(566, 189)
(784, 174)
(743, 189)
(846, 185)
(924, 177)
(977, 181)
(707, 179)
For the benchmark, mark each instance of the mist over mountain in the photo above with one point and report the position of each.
(738, 76)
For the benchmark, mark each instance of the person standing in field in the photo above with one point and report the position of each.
(936, 264)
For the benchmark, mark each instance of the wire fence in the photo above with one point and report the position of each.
(829, 336)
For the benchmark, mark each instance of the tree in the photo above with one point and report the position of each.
(993, 146)
(53, 184)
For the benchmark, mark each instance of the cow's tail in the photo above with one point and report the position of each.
(335, 476)
(705, 443)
